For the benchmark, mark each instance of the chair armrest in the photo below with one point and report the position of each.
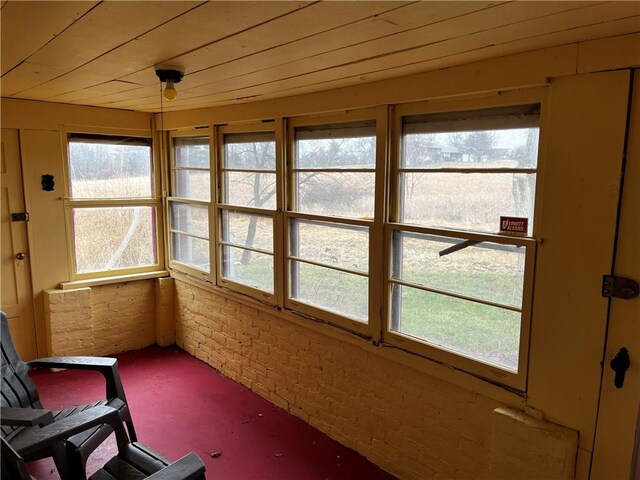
(79, 363)
(24, 417)
(189, 467)
(107, 366)
(36, 438)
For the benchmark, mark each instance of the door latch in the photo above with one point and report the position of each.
(619, 287)
(20, 217)
(620, 364)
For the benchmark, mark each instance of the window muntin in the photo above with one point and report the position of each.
(246, 210)
(111, 189)
(457, 285)
(189, 204)
(333, 174)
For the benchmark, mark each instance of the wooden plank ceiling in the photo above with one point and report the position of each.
(104, 53)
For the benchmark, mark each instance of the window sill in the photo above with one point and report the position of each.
(132, 277)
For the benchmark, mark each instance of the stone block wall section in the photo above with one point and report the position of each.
(101, 320)
(411, 424)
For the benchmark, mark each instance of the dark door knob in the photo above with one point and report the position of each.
(620, 364)
(20, 256)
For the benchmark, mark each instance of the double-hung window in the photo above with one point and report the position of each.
(189, 205)
(461, 236)
(331, 210)
(113, 210)
(248, 193)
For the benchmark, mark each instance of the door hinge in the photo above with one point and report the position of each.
(619, 287)
(20, 217)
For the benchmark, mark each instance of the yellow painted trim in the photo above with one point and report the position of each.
(129, 277)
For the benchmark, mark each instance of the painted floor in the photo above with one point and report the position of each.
(180, 404)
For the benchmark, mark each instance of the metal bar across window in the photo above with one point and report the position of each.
(244, 247)
(454, 295)
(181, 232)
(332, 267)
(335, 170)
(463, 235)
(466, 170)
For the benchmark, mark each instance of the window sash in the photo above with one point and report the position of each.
(110, 136)
(190, 138)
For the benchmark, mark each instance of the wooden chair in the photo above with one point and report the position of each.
(133, 462)
(19, 391)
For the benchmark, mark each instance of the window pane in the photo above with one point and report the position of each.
(488, 271)
(109, 170)
(345, 246)
(190, 250)
(250, 189)
(190, 219)
(340, 194)
(191, 152)
(114, 238)
(509, 148)
(482, 332)
(253, 151)
(193, 184)
(337, 147)
(343, 293)
(247, 230)
(467, 201)
(247, 267)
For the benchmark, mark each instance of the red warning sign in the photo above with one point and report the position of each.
(514, 226)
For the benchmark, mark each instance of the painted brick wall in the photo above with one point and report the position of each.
(68, 319)
(101, 320)
(411, 424)
(123, 316)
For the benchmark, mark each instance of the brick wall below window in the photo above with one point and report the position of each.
(412, 424)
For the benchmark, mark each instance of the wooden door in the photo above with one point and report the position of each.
(616, 432)
(16, 298)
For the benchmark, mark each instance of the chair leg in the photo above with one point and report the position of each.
(131, 430)
(76, 466)
(64, 462)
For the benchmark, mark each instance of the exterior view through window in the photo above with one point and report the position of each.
(332, 208)
(458, 284)
(441, 267)
(112, 205)
(247, 209)
(189, 208)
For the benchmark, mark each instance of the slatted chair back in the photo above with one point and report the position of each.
(18, 390)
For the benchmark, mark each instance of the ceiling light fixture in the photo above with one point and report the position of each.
(170, 77)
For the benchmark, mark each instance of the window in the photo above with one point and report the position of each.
(460, 289)
(112, 205)
(331, 210)
(189, 205)
(247, 209)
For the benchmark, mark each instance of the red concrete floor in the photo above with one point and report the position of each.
(180, 404)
